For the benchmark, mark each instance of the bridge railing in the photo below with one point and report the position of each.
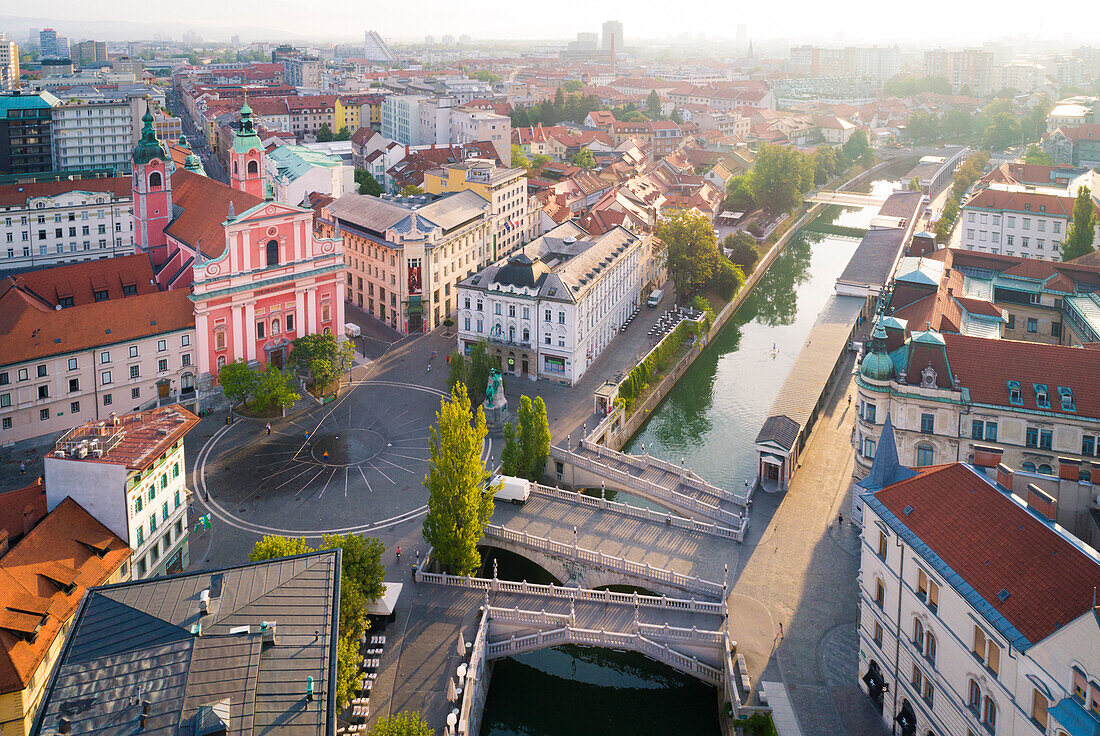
(659, 492)
(668, 518)
(608, 562)
(607, 639)
(652, 631)
(477, 682)
(577, 594)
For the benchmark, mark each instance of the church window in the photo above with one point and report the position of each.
(272, 253)
(253, 168)
(155, 180)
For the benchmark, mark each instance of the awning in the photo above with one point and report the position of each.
(387, 604)
(1073, 717)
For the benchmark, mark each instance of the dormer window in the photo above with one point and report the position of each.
(1015, 395)
(1066, 395)
(1027, 206)
(1042, 397)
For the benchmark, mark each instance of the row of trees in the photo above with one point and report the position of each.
(997, 126)
(780, 175)
(964, 177)
(325, 134)
(321, 358)
(573, 106)
(527, 444)
(690, 250)
(361, 575)
(533, 164)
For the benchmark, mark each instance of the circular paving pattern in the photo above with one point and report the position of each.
(354, 465)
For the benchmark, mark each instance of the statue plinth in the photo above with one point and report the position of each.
(495, 404)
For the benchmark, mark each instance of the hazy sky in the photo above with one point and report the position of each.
(850, 20)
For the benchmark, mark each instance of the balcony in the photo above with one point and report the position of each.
(500, 340)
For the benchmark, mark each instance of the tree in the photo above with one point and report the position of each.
(857, 148)
(459, 505)
(1036, 155)
(457, 373)
(559, 99)
(690, 251)
(1082, 231)
(539, 434)
(510, 456)
(779, 176)
(538, 161)
(325, 357)
(956, 125)
(653, 105)
(273, 390)
(739, 194)
(271, 547)
(520, 157)
(477, 371)
(742, 250)
(410, 190)
(921, 127)
(405, 723)
(238, 381)
(324, 133)
(825, 164)
(367, 183)
(914, 184)
(1039, 114)
(573, 85)
(583, 158)
(676, 117)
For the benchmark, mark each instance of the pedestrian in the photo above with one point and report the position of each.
(269, 428)
(780, 629)
(418, 557)
(22, 468)
(840, 519)
(849, 399)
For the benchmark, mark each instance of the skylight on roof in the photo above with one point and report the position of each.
(1003, 595)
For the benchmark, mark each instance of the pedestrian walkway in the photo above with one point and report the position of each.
(782, 711)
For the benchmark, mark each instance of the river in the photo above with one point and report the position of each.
(710, 420)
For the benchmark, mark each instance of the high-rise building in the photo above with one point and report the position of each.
(88, 53)
(972, 69)
(25, 132)
(9, 64)
(375, 49)
(88, 134)
(51, 45)
(612, 31)
(401, 118)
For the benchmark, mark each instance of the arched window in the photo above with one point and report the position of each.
(187, 381)
(275, 326)
(989, 717)
(327, 331)
(219, 339)
(1029, 466)
(918, 633)
(526, 335)
(155, 180)
(924, 454)
(930, 647)
(253, 168)
(1045, 469)
(272, 253)
(974, 696)
(235, 169)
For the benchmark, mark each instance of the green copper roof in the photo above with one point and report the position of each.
(149, 146)
(877, 364)
(246, 138)
(192, 162)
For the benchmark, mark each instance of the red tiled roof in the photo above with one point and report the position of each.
(995, 545)
(30, 329)
(22, 508)
(979, 306)
(63, 545)
(1029, 202)
(81, 280)
(14, 195)
(1088, 132)
(205, 204)
(986, 366)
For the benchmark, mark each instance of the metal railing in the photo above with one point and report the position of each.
(669, 519)
(608, 562)
(575, 594)
(664, 631)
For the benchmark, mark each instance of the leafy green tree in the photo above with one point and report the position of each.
(857, 148)
(458, 509)
(728, 278)
(559, 99)
(676, 117)
(825, 164)
(947, 219)
(779, 176)
(410, 190)
(274, 389)
(921, 127)
(238, 381)
(1002, 129)
(481, 361)
(539, 435)
(342, 135)
(457, 373)
(742, 250)
(271, 547)
(1036, 155)
(538, 161)
(583, 158)
(324, 133)
(405, 723)
(1038, 123)
(367, 183)
(653, 105)
(325, 357)
(520, 157)
(690, 250)
(1082, 231)
(914, 184)
(573, 85)
(631, 116)
(739, 194)
(525, 423)
(510, 456)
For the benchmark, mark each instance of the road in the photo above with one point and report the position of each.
(195, 138)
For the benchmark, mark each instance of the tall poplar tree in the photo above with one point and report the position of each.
(457, 507)
(1082, 231)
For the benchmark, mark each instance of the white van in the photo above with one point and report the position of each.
(512, 489)
(655, 298)
(352, 330)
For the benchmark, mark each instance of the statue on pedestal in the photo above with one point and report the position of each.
(495, 404)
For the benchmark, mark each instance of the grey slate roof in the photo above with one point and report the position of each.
(780, 429)
(379, 215)
(133, 642)
(874, 259)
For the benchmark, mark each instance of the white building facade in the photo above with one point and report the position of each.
(1027, 224)
(49, 223)
(92, 134)
(401, 118)
(551, 309)
(983, 626)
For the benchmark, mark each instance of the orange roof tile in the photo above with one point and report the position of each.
(22, 508)
(14, 195)
(205, 204)
(69, 542)
(80, 281)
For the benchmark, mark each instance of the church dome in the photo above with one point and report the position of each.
(877, 364)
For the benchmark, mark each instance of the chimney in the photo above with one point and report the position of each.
(1069, 469)
(1004, 476)
(267, 633)
(986, 456)
(1042, 502)
(204, 601)
(64, 725)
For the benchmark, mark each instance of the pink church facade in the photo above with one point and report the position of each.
(257, 273)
